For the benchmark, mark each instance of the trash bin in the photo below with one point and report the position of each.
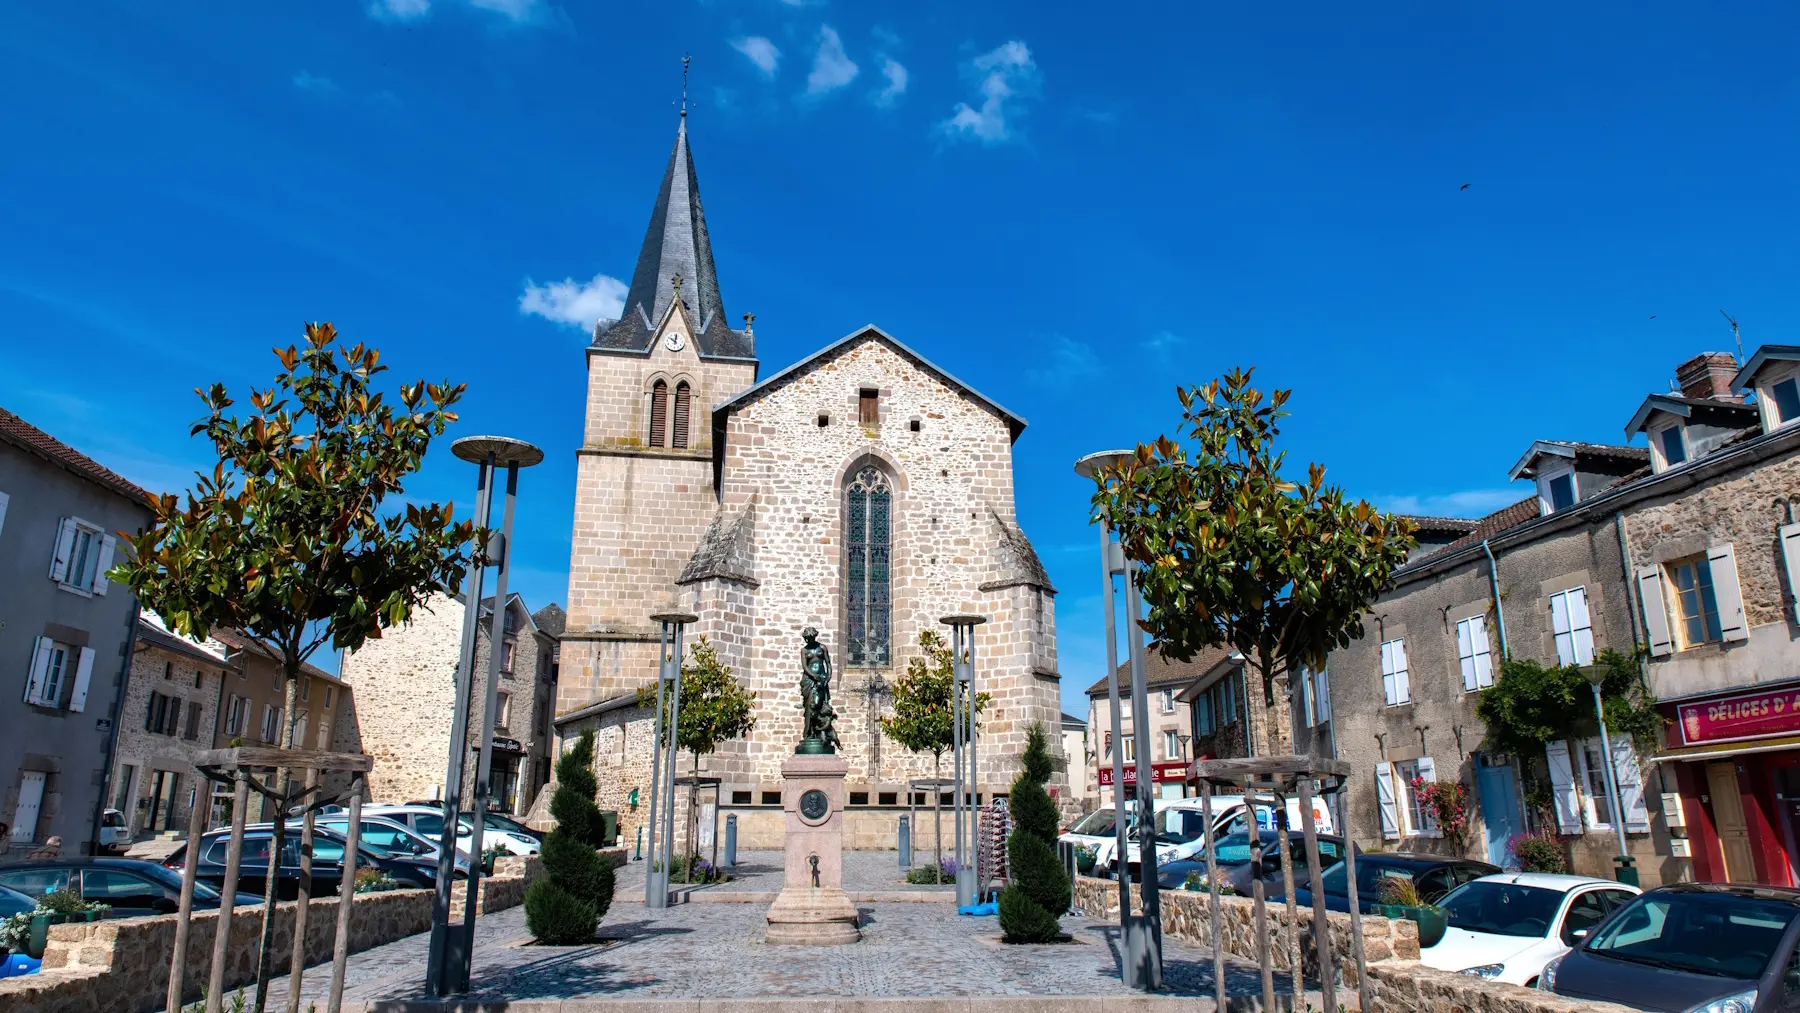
(609, 828)
(905, 842)
(731, 840)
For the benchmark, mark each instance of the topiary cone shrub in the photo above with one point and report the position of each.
(1032, 905)
(565, 905)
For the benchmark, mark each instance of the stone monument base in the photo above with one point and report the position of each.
(813, 916)
(812, 909)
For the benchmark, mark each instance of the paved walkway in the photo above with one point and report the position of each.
(715, 951)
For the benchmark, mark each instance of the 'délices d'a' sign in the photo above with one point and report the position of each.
(1733, 718)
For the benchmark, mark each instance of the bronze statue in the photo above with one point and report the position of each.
(815, 696)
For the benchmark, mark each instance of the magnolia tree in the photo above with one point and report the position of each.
(922, 721)
(715, 708)
(290, 538)
(1232, 553)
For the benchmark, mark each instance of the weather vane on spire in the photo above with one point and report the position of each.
(684, 74)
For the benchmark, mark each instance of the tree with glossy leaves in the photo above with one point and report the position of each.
(290, 539)
(1233, 554)
(922, 721)
(715, 708)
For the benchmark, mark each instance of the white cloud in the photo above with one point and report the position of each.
(895, 73)
(1062, 361)
(1162, 345)
(519, 11)
(1008, 75)
(1466, 503)
(832, 68)
(574, 303)
(760, 51)
(315, 83)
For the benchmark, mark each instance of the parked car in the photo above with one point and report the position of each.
(12, 902)
(130, 887)
(115, 836)
(327, 862)
(390, 837)
(1234, 862)
(1181, 827)
(1507, 927)
(1701, 947)
(428, 821)
(1433, 876)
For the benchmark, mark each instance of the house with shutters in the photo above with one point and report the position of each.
(65, 637)
(169, 713)
(1686, 548)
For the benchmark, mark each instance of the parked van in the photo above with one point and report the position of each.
(1181, 827)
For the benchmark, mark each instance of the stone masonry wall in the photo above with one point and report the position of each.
(405, 687)
(156, 670)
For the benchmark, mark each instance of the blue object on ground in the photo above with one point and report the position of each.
(988, 908)
(17, 964)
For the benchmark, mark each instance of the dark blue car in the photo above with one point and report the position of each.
(1693, 946)
(1432, 875)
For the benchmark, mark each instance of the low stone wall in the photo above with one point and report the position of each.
(1187, 915)
(121, 965)
(1409, 988)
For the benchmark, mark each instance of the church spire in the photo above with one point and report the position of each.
(676, 244)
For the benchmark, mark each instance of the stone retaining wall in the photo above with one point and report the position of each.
(1187, 915)
(1408, 988)
(121, 965)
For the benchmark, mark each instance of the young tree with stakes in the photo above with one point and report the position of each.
(715, 708)
(922, 721)
(288, 539)
(1235, 555)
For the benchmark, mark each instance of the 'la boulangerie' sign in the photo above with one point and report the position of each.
(1734, 718)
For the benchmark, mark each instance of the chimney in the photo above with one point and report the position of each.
(1708, 376)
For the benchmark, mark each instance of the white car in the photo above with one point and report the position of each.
(428, 821)
(391, 836)
(1507, 927)
(1181, 827)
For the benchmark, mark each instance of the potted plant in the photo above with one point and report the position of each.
(1084, 859)
(1399, 898)
(58, 907)
(488, 856)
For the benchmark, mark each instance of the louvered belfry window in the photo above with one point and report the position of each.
(659, 414)
(682, 399)
(867, 572)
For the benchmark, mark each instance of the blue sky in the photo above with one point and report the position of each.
(1071, 207)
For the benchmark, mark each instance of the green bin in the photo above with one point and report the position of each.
(609, 828)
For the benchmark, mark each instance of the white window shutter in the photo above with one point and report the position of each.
(3, 501)
(1401, 687)
(1790, 558)
(1562, 786)
(65, 541)
(1656, 611)
(1384, 797)
(1465, 653)
(1484, 657)
(1387, 674)
(40, 667)
(1322, 694)
(1631, 785)
(84, 671)
(1723, 562)
(1306, 698)
(108, 545)
(1580, 626)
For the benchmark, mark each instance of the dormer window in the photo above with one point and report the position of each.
(1556, 489)
(1774, 374)
(1671, 445)
(1784, 398)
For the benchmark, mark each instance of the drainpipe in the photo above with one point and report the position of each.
(1494, 585)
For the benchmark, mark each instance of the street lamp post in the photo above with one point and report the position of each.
(452, 946)
(1187, 768)
(662, 763)
(1625, 872)
(1142, 934)
(962, 714)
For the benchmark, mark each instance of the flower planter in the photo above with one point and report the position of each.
(1431, 924)
(40, 928)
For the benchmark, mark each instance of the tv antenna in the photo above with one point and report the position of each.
(1735, 336)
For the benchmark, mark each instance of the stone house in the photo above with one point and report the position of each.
(66, 634)
(253, 705)
(1197, 711)
(405, 686)
(1557, 578)
(170, 713)
(862, 491)
(1084, 791)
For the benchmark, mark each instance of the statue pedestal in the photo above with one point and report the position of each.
(812, 909)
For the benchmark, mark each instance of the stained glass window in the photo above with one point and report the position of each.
(866, 567)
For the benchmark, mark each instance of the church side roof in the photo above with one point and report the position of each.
(1019, 563)
(725, 550)
(868, 332)
(676, 243)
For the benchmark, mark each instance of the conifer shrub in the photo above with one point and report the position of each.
(1032, 905)
(565, 905)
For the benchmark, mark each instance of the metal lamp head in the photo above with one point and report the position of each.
(1594, 674)
(673, 623)
(504, 449)
(1090, 465)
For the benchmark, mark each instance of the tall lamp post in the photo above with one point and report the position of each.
(1625, 871)
(1142, 966)
(662, 764)
(1187, 768)
(962, 739)
(452, 946)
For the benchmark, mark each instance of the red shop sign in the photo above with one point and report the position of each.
(1173, 770)
(1732, 718)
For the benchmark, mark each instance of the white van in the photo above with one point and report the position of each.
(1181, 829)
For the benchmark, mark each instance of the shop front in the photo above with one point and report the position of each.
(1169, 776)
(1735, 760)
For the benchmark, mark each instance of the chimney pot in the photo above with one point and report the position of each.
(1708, 376)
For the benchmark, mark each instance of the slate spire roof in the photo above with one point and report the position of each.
(676, 244)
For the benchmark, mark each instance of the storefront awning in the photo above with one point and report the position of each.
(1725, 750)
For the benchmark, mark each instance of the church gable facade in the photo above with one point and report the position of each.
(863, 492)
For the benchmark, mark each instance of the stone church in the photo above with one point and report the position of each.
(863, 491)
